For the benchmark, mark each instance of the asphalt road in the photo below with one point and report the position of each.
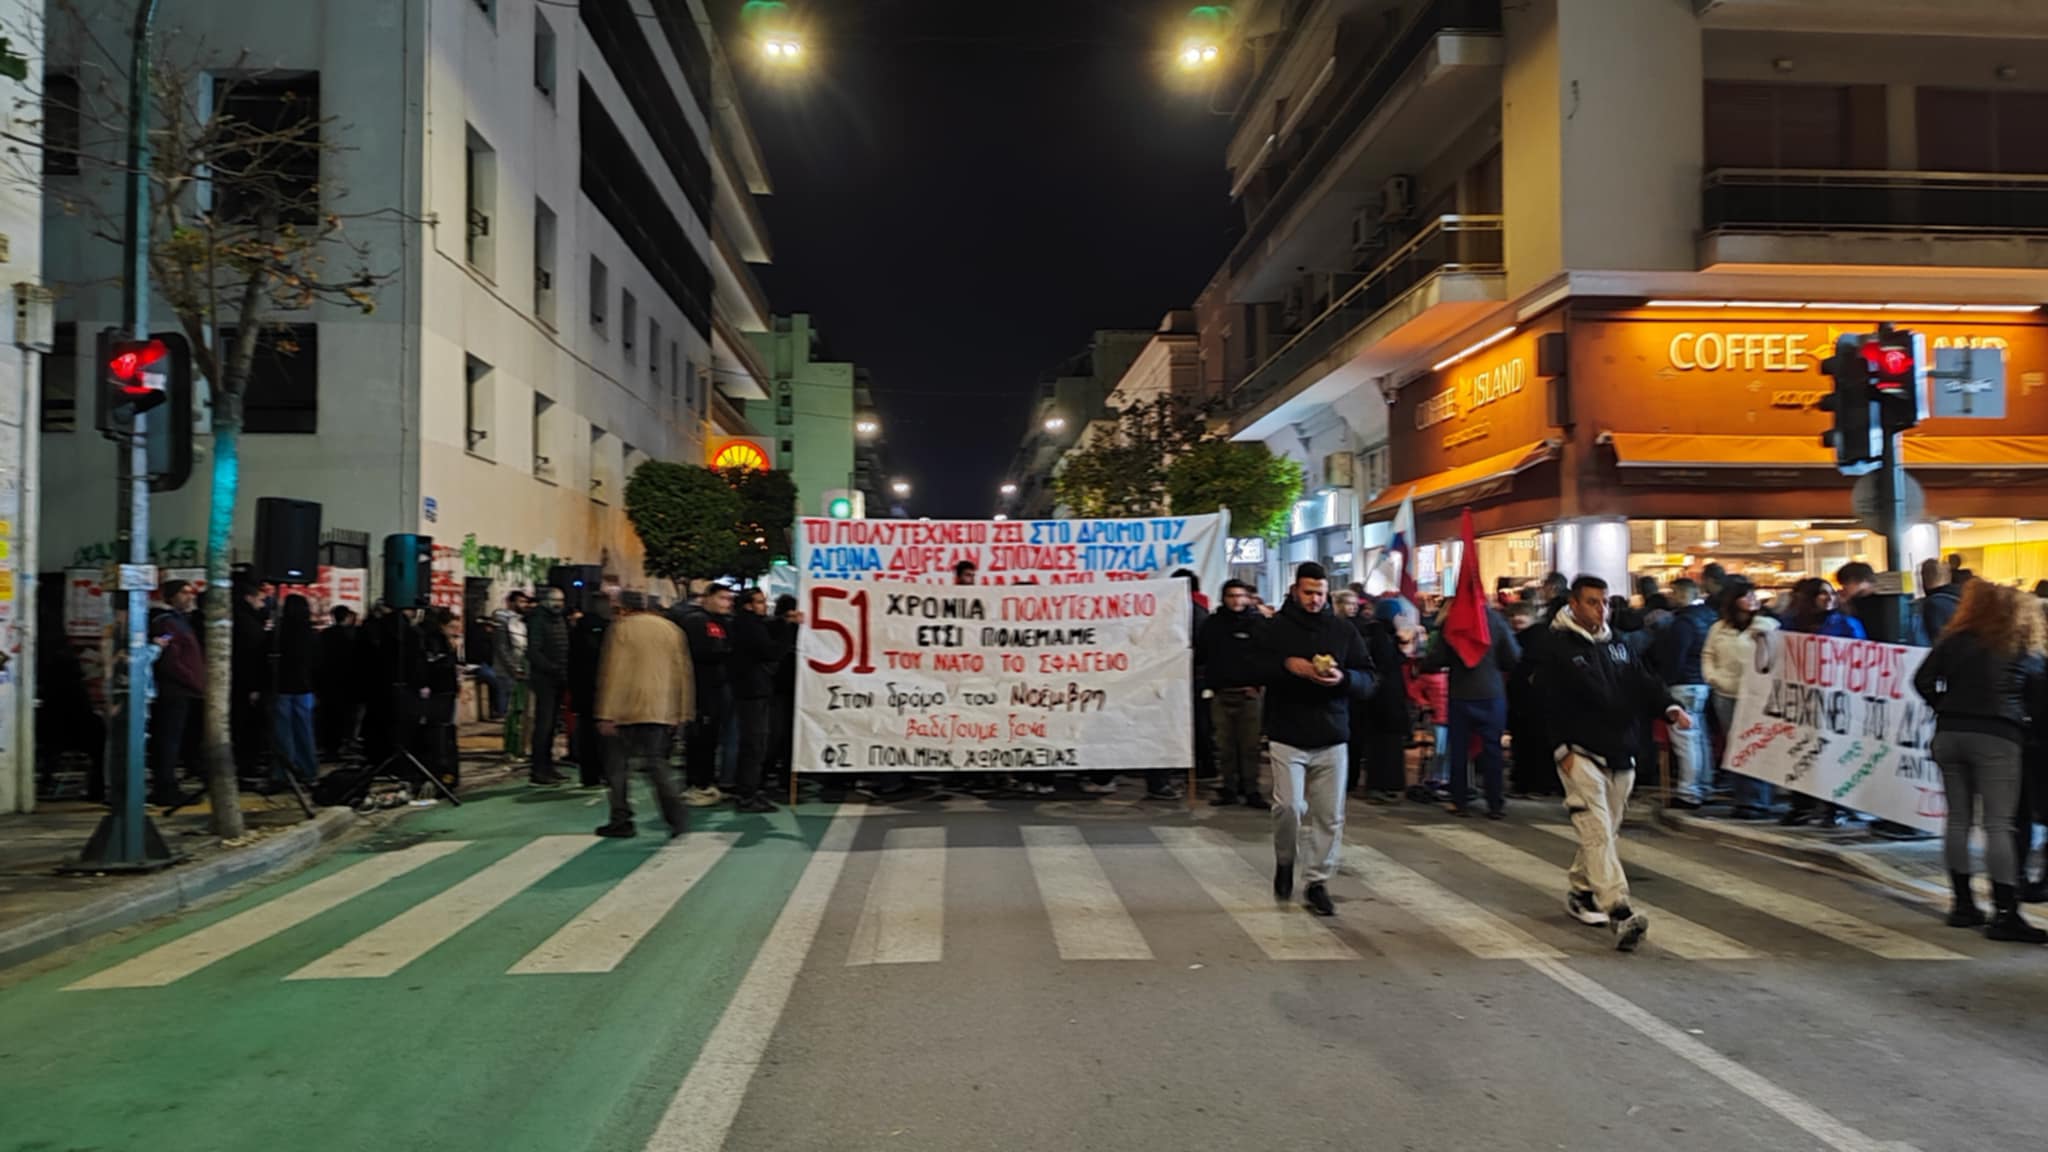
(1088, 974)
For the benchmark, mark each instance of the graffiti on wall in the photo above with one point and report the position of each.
(488, 561)
(176, 552)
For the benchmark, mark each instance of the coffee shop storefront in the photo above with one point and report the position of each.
(1623, 440)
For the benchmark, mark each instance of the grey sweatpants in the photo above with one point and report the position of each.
(1974, 767)
(1309, 782)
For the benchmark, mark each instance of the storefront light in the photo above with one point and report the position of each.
(1770, 543)
(1846, 306)
(1859, 535)
(1481, 346)
(1816, 539)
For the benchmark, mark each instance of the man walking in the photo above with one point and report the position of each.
(180, 687)
(508, 660)
(1595, 689)
(1226, 651)
(753, 663)
(645, 691)
(586, 648)
(547, 670)
(1478, 701)
(1313, 665)
(708, 626)
(1678, 648)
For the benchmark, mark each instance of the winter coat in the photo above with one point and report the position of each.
(1728, 653)
(547, 645)
(586, 645)
(644, 674)
(1597, 691)
(751, 668)
(1681, 643)
(1974, 689)
(1226, 649)
(1840, 625)
(1388, 707)
(298, 660)
(1486, 680)
(710, 650)
(508, 644)
(1938, 609)
(1302, 713)
(181, 669)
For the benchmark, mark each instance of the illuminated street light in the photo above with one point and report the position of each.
(867, 427)
(782, 49)
(1009, 489)
(900, 487)
(1055, 423)
(1001, 516)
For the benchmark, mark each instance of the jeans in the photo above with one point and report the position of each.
(1234, 720)
(515, 718)
(642, 748)
(1485, 719)
(1597, 800)
(494, 687)
(1309, 782)
(547, 711)
(1691, 752)
(751, 716)
(700, 748)
(168, 718)
(1979, 765)
(1749, 791)
(292, 719)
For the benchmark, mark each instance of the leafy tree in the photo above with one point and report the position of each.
(686, 517)
(767, 515)
(1123, 473)
(1258, 487)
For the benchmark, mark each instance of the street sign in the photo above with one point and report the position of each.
(1969, 383)
(1866, 502)
(138, 578)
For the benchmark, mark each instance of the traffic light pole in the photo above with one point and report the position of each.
(1889, 622)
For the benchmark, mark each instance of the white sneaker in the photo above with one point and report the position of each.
(1096, 789)
(1629, 929)
(703, 797)
(1584, 910)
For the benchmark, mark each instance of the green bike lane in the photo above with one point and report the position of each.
(448, 1052)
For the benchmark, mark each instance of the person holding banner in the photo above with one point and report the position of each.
(1731, 647)
(1314, 663)
(1984, 679)
(1225, 651)
(1595, 690)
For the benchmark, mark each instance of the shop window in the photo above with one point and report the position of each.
(60, 380)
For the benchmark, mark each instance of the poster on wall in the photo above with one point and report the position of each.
(335, 588)
(1839, 720)
(993, 678)
(1016, 551)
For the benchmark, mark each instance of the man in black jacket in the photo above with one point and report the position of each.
(586, 648)
(1678, 647)
(1595, 690)
(1478, 707)
(754, 659)
(708, 625)
(1313, 664)
(547, 670)
(1226, 654)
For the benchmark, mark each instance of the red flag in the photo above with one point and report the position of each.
(1466, 631)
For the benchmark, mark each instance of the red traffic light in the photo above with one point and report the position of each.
(130, 364)
(1888, 361)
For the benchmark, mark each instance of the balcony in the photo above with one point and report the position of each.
(742, 373)
(1763, 216)
(726, 418)
(1436, 76)
(1432, 286)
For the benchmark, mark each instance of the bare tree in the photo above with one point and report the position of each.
(243, 235)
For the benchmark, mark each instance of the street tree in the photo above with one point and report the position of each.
(1256, 484)
(687, 518)
(244, 237)
(767, 514)
(1121, 470)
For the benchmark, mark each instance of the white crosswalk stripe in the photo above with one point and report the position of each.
(1469, 926)
(1281, 932)
(215, 942)
(419, 929)
(1671, 932)
(904, 919)
(601, 936)
(1774, 902)
(1089, 922)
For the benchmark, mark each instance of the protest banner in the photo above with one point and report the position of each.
(1016, 551)
(1839, 720)
(994, 679)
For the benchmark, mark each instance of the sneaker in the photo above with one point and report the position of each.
(1283, 881)
(702, 797)
(1629, 928)
(1097, 788)
(1684, 804)
(548, 779)
(1224, 799)
(1163, 792)
(618, 830)
(1585, 910)
(1318, 899)
(756, 805)
(1496, 814)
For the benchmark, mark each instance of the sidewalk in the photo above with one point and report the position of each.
(1912, 868)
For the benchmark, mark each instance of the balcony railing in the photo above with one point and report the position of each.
(1449, 244)
(1437, 18)
(1834, 200)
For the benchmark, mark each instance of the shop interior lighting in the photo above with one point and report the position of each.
(1844, 306)
(1489, 342)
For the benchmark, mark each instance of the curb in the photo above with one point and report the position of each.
(172, 889)
(1849, 860)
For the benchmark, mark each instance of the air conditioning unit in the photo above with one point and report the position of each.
(1397, 199)
(1294, 311)
(1339, 471)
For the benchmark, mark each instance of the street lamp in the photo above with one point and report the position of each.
(1055, 423)
(1199, 54)
(900, 487)
(782, 49)
(1002, 516)
(1009, 489)
(867, 427)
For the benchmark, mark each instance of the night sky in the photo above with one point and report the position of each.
(965, 190)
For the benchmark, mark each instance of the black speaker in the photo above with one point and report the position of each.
(578, 582)
(287, 540)
(408, 570)
(1550, 354)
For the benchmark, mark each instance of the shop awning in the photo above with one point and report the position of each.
(1762, 457)
(1463, 484)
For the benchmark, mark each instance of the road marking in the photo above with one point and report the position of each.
(416, 931)
(1469, 926)
(1089, 922)
(904, 918)
(188, 954)
(1796, 910)
(702, 1111)
(1814, 1122)
(599, 938)
(1674, 933)
(1281, 932)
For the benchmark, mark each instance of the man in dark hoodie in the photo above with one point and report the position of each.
(547, 671)
(1478, 707)
(1596, 688)
(755, 657)
(1226, 651)
(1313, 663)
(586, 648)
(708, 625)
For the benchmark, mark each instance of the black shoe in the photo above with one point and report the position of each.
(1283, 881)
(1224, 800)
(1318, 899)
(618, 830)
(2035, 893)
(756, 805)
(1585, 909)
(1164, 792)
(1684, 804)
(1748, 813)
(548, 779)
(1629, 928)
(1496, 814)
(1254, 800)
(1458, 810)
(2013, 928)
(1963, 912)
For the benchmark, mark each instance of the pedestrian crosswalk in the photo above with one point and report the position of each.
(1165, 893)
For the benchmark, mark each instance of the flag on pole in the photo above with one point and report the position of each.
(1466, 631)
(1403, 546)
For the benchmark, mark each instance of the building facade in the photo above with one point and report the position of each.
(22, 602)
(562, 199)
(1573, 264)
(1063, 405)
(812, 413)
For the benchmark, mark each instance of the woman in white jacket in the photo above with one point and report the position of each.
(1730, 648)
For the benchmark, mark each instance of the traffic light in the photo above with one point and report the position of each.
(153, 378)
(1898, 376)
(137, 374)
(844, 504)
(1856, 435)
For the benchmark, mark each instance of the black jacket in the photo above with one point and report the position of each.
(751, 668)
(1679, 644)
(586, 645)
(1973, 689)
(710, 649)
(298, 660)
(784, 632)
(1299, 712)
(339, 673)
(547, 644)
(1596, 692)
(1486, 680)
(249, 658)
(1227, 647)
(1938, 609)
(1388, 707)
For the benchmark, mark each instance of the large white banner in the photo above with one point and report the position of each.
(1016, 551)
(1840, 720)
(895, 677)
